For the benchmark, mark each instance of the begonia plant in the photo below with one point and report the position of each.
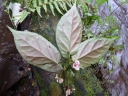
(38, 51)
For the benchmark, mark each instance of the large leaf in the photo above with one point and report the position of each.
(92, 50)
(69, 32)
(37, 50)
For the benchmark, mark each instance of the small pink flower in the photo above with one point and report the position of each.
(59, 80)
(68, 92)
(56, 77)
(76, 65)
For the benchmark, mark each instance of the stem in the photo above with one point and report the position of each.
(64, 82)
(64, 72)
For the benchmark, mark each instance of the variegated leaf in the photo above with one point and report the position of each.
(92, 50)
(37, 50)
(69, 32)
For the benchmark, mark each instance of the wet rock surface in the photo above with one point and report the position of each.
(17, 77)
(119, 75)
(13, 69)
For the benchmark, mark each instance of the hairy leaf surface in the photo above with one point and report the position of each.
(69, 32)
(37, 50)
(92, 50)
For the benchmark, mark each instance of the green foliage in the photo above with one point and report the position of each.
(124, 1)
(36, 5)
(90, 15)
(59, 5)
(92, 84)
(89, 11)
(25, 14)
(99, 2)
(113, 27)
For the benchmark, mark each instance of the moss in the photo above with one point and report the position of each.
(42, 85)
(55, 89)
(43, 26)
(91, 84)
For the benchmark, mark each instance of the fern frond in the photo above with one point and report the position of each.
(52, 9)
(44, 5)
(38, 10)
(39, 2)
(59, 5)
(34, 2)
(25, 14)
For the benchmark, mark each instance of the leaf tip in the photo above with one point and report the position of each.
(9, 28)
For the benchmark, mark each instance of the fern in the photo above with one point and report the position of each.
(36, 5)
(59, 5)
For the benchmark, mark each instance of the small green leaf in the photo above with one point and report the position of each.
(45, 1)
(109, 31)
(38, 10)
(6, 10)
(115, 32)
(118, 47)
(32, 10)
(99, 2)
(61, 5)
(89, 1)
(64, 5)
(69, 4)
(34, 3)
(45, 7)
(25, 14)
(52, 9)
(39, 2)
(57, 7)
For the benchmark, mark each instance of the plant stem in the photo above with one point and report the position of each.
(64, 73)
(64, 82)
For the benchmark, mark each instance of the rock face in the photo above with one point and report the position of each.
(17, 77)
(13, 69)
(120, 73)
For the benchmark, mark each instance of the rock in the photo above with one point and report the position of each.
(13, 69)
